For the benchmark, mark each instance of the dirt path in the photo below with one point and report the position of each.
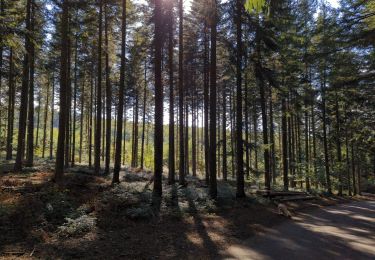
(346, 231)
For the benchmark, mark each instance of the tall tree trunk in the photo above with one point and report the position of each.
(255, 124)
(24, 93)
(91, 108)
(68, 102)
(144, 121)
(81, 121)
(206, 101)
(38, 119)
(325, 141)
(307, 140)
(59, 170)
(98, 123)
(120, 110)
(193, 134)
(240, 192)
(45, 120)
(314, 143)
(11, 106)
(30, 115)
(348, 162)
(135, 134)
(224, 133)
(1, 61)
(75, 101)
(272, 140)
(52, 118)
(284, 130)
(353, 168)
(158, 151)
(181, 95)
(171, 151)
(247, 130)
(212, 153)
(338, 143)
(108, 93)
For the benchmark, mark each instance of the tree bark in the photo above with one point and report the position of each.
(11, 106)
(212, 153)
(120, 110)
(98, 123)
(59, 170)
(158, 151)
(181, 96)
(108, 93)
(240, 192)
(24, 93)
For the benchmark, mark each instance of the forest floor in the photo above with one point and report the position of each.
(90, 219)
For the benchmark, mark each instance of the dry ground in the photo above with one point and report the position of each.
(89, 219)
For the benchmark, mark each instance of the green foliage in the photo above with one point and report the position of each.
(257, 6)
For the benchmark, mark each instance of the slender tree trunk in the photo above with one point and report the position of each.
(240, 192)
(90, 114)
(272, 139)
(206, 104)
(135, 134)
(30, 115)
(144, 121)
(24, 94)
(120, 110)
(108, 94)
(11, 106)
(212, 153)
(314, 144)
(255, 123)
(45, 120)
(98, 122)
(59, 171)
(353, 168)
(68, 102)
(181, 95)
(158, 151)
(75, 101)
(247, 130)
(81, 121)
(186, 136)
(325, 141)
(38, 119)
(348, 162)
(284, 129)
(171, 152)
(307, 140)
(193, 135)
(224, 125)
(338, 144)
(52, 118)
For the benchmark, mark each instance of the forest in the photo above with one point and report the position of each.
(173, 129)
